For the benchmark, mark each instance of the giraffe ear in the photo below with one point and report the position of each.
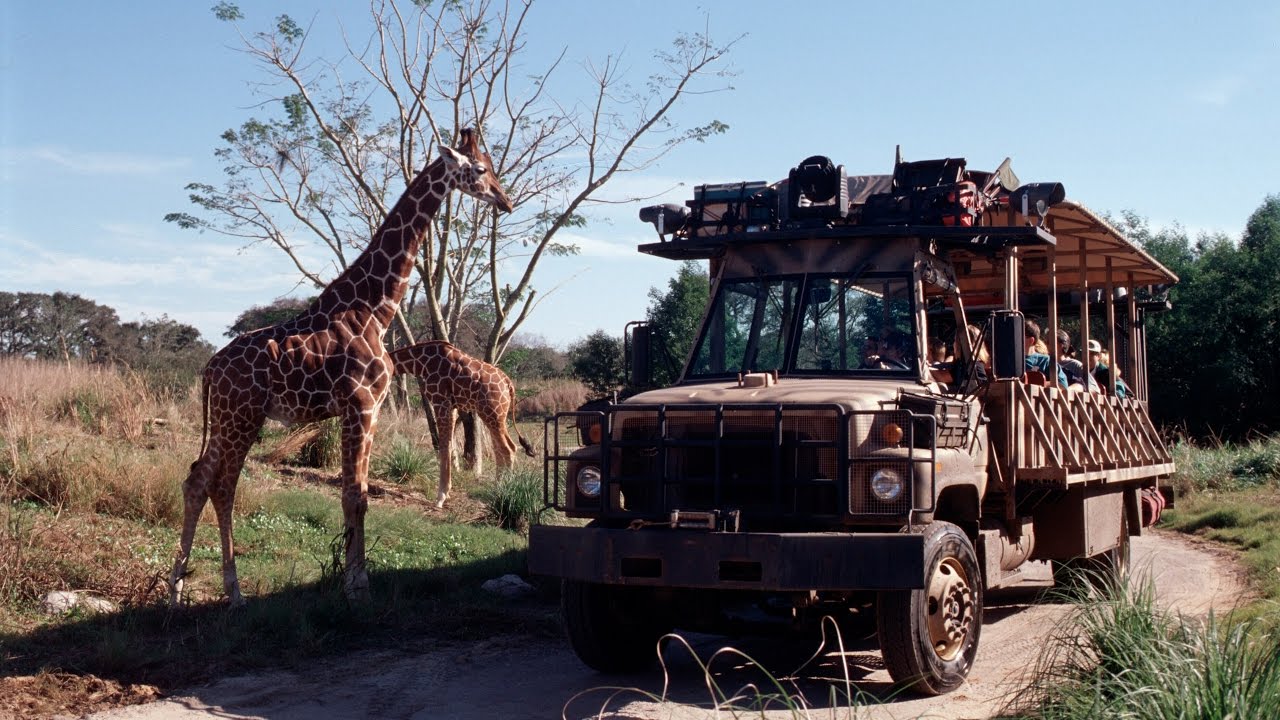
(452, 157)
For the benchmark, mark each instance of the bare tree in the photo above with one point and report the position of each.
(348, 134)
(345, 135)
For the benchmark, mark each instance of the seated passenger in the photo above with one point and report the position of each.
(1039, 361)
(1100, 370)
(954, 373)
(1077, 378)
(938, 352)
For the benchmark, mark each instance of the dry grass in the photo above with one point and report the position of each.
(556, 396)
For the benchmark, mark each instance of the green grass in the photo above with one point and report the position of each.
(1231, 494)
(425, 577)
(403, 462)
(1120, 656)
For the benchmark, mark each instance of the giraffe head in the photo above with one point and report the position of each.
(474, 171)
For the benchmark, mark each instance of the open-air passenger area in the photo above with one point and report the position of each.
(1072, 408)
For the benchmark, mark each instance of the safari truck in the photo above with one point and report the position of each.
(820, 455)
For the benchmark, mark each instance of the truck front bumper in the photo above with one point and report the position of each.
(729, 560)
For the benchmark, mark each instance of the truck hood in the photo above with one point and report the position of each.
(850, 394)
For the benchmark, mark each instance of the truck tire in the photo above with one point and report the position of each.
(612, 628)
(929, 636)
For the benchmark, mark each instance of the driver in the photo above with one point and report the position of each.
(896, 352)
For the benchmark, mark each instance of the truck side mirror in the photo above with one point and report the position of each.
(636, 338)
(1008, 345)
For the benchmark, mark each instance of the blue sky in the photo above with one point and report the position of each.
(1169, 109)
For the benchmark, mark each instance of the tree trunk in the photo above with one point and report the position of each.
(472, 458)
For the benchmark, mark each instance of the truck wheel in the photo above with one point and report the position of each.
(612, 628)
(929, 637)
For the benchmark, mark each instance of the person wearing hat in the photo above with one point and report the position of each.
(1099, 368)
(1073, 368)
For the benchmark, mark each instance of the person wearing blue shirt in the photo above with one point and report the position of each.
(1039, 361)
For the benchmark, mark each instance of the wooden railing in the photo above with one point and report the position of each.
(1049, 435)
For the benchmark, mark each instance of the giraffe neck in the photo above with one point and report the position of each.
(373, 285)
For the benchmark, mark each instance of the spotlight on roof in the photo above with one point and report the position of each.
(1036, 199)
(667, 218)
(817, 188)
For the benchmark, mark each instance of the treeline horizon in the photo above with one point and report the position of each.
(1213, 359)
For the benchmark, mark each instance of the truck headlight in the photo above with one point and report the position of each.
(886, 484)
(589, 481)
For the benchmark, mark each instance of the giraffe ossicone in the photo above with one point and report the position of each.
(329, 361)
(451, 380)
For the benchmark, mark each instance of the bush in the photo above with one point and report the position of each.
(515, 502)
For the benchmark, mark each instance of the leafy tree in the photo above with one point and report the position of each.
(596, 360)
(1214, 359)
(57, 326)
(674, 317)
(66, 327)
(260, 316)
(532, 359)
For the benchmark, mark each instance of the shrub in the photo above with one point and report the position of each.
(403, 462)
(515, 501)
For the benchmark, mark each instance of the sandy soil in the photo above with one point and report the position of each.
(541, 678)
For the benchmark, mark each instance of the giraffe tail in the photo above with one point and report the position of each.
(528, 449)
(204, 417)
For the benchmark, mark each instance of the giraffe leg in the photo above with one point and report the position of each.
(444, 452)
(503, 447)
(223, 496)
(195, 495)
(357, 440)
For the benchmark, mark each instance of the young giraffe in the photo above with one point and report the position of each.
(453, 380)
(328, 361)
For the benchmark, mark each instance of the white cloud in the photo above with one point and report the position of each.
(1218, 91)
(102, 163)
(28, 265)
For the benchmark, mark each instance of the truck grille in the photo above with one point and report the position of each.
(766, 462)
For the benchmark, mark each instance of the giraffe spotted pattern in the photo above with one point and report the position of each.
(452, 380)
(327, 362)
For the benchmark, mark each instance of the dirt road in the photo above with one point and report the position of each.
(539, 678)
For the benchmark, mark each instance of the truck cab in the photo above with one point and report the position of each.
(820, 456)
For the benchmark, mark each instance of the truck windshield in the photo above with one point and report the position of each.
(814, 324)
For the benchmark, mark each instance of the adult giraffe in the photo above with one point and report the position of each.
(328, 361)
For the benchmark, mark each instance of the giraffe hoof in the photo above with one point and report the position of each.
(440, 501)
(237, 602)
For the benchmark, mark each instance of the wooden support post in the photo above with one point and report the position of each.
(1084, 302)
(1052, 341)
(1113, 372)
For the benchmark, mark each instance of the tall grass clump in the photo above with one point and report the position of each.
(315, 444)
(1121, 656)
(403, 462)
(514, 502)
(1227, 466)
